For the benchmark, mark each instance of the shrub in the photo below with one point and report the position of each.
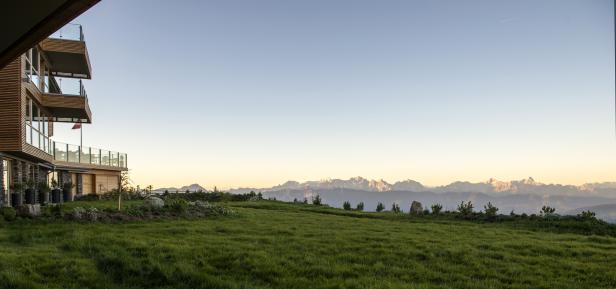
(305, 200)
(56, 211)
(395, 208)
(587, 215)
(547, 210)
(317, 200)
(346, 205)
(177, 206)
(380, 207)
(360, 206)
(89, 198)
(465, 209)
(490, 210)
(436, 209)
(9, 214)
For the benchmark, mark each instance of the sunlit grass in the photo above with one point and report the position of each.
(271, 245)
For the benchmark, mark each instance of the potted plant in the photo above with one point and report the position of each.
(67, 191)
(30, 193)
(56, 192)
(16, 199)
(44, 190)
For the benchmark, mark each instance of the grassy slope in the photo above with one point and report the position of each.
(269, 245)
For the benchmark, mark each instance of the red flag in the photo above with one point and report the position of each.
(77, 126)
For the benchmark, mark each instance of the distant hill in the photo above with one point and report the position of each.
(522, 196)
(192, 188)
(606, 212)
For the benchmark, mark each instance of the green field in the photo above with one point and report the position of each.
(275, 245)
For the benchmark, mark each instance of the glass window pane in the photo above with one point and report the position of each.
(73, 153)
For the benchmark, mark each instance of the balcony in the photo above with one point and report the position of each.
(67, 52)
(76, 156)
(66, 99)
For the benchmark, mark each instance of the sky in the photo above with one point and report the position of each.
(244, 93)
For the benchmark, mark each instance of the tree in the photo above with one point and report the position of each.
(490, 210)
(547, 211)
(465, 209)
(395, 208)
(436, 209)
(360, 206)
(346, 205)
(305, 200)
(587, 215)
(380, 207)
(316, 200)
(126, 184)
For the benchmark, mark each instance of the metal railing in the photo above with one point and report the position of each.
(87, 155)
(71, 31)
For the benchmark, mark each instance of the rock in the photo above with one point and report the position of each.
(29, 210)
(78, 213)
(416, 208)
(92, 214)
(154, 202)
(202, 204)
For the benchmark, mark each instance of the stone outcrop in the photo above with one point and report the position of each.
(416, 208)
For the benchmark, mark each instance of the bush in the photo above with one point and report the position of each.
(547, 210)
(465, 209)
(360, 206)
(317, 200)
(56, 211)
(380, 207)
(346, 205)
(9, 214)
(177, 206)
(587, 215)
(436, 209)
(490, 210)
(87, 198)
(395, 208)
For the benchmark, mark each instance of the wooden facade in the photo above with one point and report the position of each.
(10, 108)
(19, 96)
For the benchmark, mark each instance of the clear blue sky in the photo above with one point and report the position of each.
(253, 93)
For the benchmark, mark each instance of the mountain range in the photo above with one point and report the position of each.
(491, 186)
(520, 196)
(192, 188)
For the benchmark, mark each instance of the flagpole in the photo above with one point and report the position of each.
(81, 136)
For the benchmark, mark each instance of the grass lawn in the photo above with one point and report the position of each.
(272, 245)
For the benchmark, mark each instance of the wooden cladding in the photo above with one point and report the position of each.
(10, 106)
(63, 45)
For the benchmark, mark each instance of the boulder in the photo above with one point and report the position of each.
(203, 204)
(29, 210)
(154, 202)
(78, 213)
(416, 208)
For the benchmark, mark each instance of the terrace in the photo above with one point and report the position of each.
(67, 154)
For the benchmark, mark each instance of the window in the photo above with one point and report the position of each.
(32, 67)
(6, 178)
(37, 127)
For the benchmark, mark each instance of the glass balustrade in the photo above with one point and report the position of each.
(71, 31)
(87, 155)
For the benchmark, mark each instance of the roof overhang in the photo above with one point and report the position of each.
(26, 22)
